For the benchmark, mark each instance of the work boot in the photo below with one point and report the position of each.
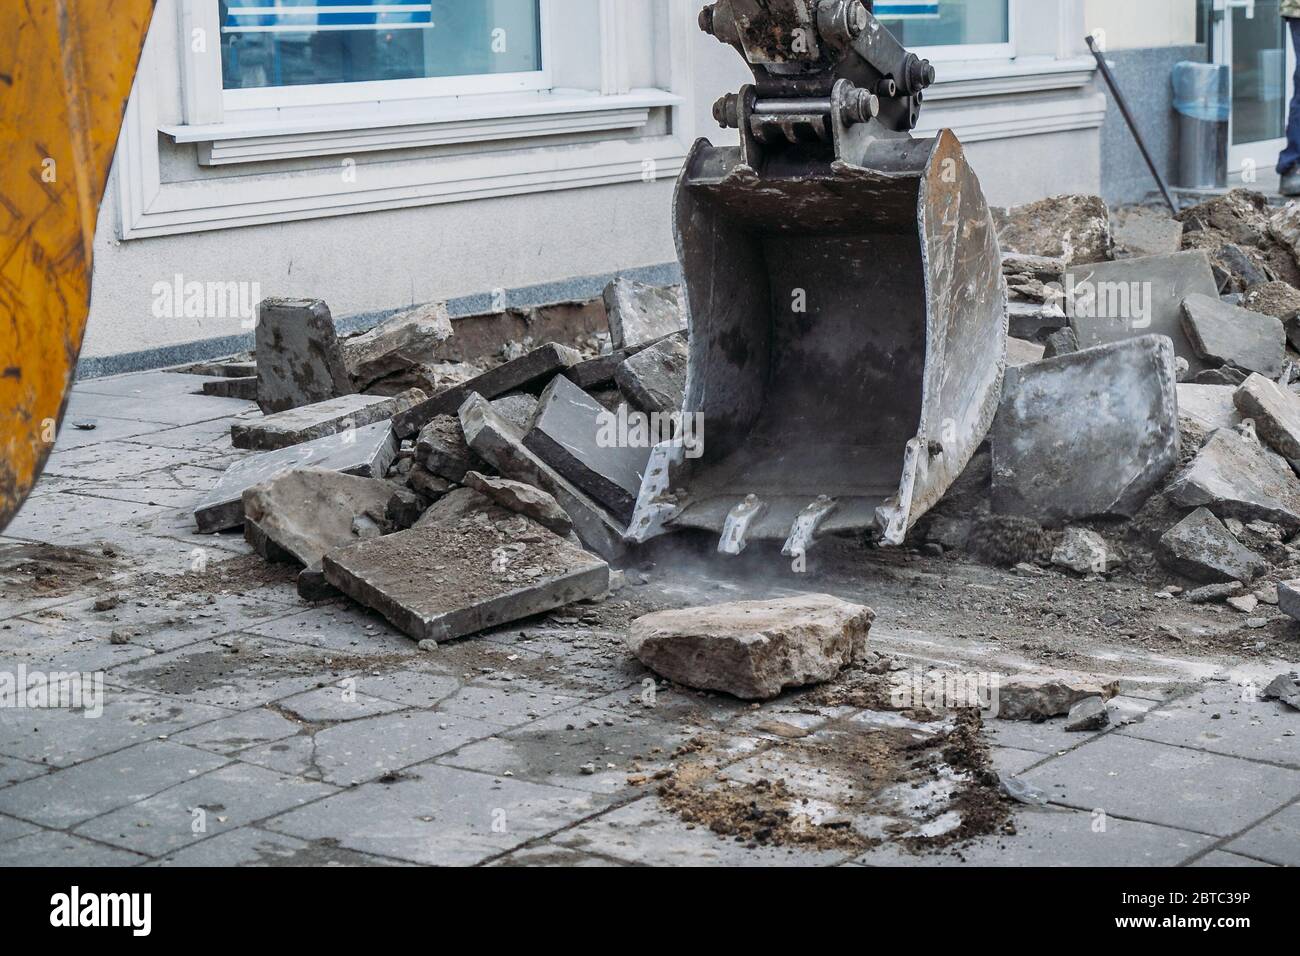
(1291, 183)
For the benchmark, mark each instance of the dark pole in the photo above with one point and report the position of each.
(1132, 125)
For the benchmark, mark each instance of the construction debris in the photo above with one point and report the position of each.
(1139, 232)
(1089, 714)
(244, 389)
(367, 452)
(302, 514)
(581, 439)
(641, 314)
(299, 361)
(1085, 552)
(1223, 334)
(523, 499)
(1286, 688)
(1073, 228)
(1086, 434)
(1237, 477)
(1201, 548)
(444, 580)
(1275, 412)
(753, 649)
(396, 344)
(1208, 407)
(441, 449)
(1039, 697)
(654, 379)
(308, 422)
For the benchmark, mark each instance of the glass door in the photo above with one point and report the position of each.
(1252, 37)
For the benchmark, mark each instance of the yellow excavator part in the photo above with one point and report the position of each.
(64, 81)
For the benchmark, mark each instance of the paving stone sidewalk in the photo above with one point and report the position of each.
(241, 726)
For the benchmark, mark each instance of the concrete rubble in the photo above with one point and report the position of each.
(1039, 697)
(753, 649)
(1275, 412)
(1202, 549)
(1224, 334)
(641, 314)
(299, 359)
(654, 379)
(319, 420)
(1086, 434)
(1073, 228)
(396, 344)
(522, 499)
(1237, 477)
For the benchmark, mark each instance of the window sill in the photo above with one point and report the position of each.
(970, 78)
(263, 135)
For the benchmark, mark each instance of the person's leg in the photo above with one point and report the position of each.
(1290, 157)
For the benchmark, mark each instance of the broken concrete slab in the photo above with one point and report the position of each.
(1288, 598)
(425, 483)
(1039, 697)
(500, 445)
(1074, 228)
(753, 649)
(600, 370)
(299, 361)
(1085, 552)
(400, 342)
(1209, 407)
(1088, 714)
(518, 408)
(1229, 376)
(1201, 548)
(579, 438)
(654, 380)
(640, 314)
(1284, 226)
(1286, 688)
(1043, 268)
(1113, 301)
(1223, 334)
(441, 449)
(1087, 434)
(539, 365)
(523, 499)
(1236, 477)
(368, 452)
(1020, 352)
(1060, 342)
(460, 503)
(1034, 320)
(1141, 233)
(241, 388)
(309, 422)
(444, 580)
(1280, 300)
(307, 512)
(1276, 413)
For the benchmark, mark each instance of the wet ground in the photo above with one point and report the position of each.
(239, 725)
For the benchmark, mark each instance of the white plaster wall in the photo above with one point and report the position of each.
(1133, 24)
(383, 260)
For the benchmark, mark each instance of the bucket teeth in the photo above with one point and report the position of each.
(805, 526)
(738, 521)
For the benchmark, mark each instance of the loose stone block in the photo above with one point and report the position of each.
(299, 361)
(309, 422)
(1201, 548)
(654, 380)
(640, 314)
(1276, 412)
(401, 342)
(1224, 334)
(1236, 477)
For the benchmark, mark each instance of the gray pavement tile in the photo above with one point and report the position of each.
(178, 409)
(340, 627)
(592, 660)
(337, 703)
(1218, 858)
(68, 519)
(87, 405)
(641, 832)
(67, 797)
(237, 672)
(222, 800)
(156, 385)
(410, 688)
(60, 736)
(250, 846)
(12, 771)
(12, 829)
(295, 756)
(1223, 720)
(54, 647)
(555, 750)
(1276, 839)
(505, 705)
(106, 430)
(1173, 786)
(674, 704)
(211, 437)
(1012, 761)
(117, 461)
(50, 848)
(362, 750)
(1059, 838)
(439, 815)
(229, 735)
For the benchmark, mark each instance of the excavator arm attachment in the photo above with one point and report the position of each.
(67, 73)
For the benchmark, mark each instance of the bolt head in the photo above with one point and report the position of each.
(706, 19)
(857, 17)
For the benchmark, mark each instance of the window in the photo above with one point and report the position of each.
(950, 29)
(290, 52)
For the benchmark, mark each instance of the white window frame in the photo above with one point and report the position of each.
(960, 52)
(150, 206)
(326, 94)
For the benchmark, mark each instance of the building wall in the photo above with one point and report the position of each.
(1032, 128)
(1130, 25)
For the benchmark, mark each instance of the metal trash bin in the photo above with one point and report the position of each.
(1203, 101)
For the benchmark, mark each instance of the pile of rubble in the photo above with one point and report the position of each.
(1148, 418)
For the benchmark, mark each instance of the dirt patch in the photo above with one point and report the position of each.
(45, 570)
(923, 782)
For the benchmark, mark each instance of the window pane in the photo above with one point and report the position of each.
(296, 42)
(1259, 76)
(945, 22)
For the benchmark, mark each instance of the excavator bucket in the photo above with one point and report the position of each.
(847, 307)
(68, 70)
